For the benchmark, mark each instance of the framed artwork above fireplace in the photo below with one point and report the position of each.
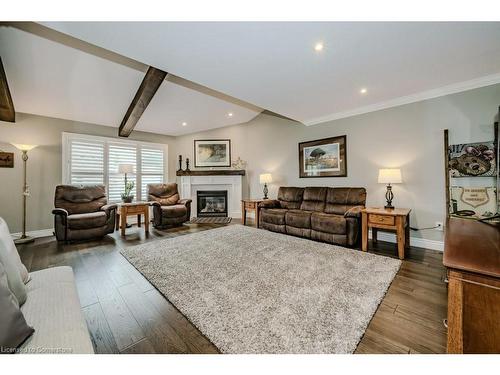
(212, 153)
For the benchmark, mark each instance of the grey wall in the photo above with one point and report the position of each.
(409, 137)
(44, 165)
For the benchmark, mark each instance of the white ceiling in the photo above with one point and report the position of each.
(51, 79)
(274, 66)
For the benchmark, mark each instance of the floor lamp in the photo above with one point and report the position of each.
(26, 193)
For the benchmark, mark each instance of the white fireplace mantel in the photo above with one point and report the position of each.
(233, 184)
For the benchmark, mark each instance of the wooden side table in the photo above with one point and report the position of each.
(395, 219)
(128, 209)
(250, 205)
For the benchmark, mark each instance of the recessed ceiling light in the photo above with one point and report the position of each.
(318, 47)
(363, 91)
(230, 114)
(184, 123)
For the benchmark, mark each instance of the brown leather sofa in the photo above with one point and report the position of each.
(325, 214)
(82, 212)
(168, 209)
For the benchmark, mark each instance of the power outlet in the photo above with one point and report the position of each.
(439, 226)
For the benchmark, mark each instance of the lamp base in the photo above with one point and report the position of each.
(23, 239)
(389, 196)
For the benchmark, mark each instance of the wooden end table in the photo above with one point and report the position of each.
(395, 219)
(250, 205)
(128, 209)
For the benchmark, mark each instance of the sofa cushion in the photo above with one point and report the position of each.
(299, 232)
(88, 220)
(165, 194)
(328, 223)
(290, 197)
(273, 227)
(8, 244)
(298, 219)
(176, 210)
(273, 215)
(13, 327)
(53, 309)
(80, 199)
(338, 239)
(14, 279)
(314, 199)
(340, 200)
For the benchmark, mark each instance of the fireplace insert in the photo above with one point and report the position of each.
(211, 203)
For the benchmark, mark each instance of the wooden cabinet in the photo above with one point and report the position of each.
(472, 258)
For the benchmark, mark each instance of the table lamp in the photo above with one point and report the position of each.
(26, 192)
(389, 176)
(265, 179)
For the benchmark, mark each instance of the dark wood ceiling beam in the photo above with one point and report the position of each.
(149, 85)
(7, 112)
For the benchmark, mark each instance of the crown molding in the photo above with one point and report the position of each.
(424, 95)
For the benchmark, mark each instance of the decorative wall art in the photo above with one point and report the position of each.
(239, 164)
(323, 158)
(472, 160)
(473, 202)
(212, 153)
(6, 160)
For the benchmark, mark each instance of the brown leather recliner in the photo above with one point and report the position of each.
(325, 214)
(81, 212)
(168, 209)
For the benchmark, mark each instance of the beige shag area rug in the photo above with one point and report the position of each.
(253, 291)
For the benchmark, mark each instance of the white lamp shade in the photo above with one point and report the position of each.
(265, 178)
(23, 147)
(126, 168)
(389, 176)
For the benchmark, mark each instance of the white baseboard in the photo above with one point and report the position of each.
(35, 233)
(414, 241)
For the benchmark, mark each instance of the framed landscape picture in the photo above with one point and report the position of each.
(323, 158)
(212, 153)
(6, 160)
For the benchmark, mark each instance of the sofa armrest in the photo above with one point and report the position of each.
(354, 212)
(60, 211)
(185, 202)
(270, 203)
(154, 204)
(108, 207)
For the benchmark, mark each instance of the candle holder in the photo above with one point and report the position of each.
(180, 164)
(187, 165)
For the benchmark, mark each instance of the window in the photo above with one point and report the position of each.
(94, 160)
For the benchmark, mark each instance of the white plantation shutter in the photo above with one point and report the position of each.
(86, 162)
(151, 168)
(120, 153)
(94, 160)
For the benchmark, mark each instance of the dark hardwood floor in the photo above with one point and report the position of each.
(126, 314)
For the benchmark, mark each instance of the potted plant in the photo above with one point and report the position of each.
(127, 197)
